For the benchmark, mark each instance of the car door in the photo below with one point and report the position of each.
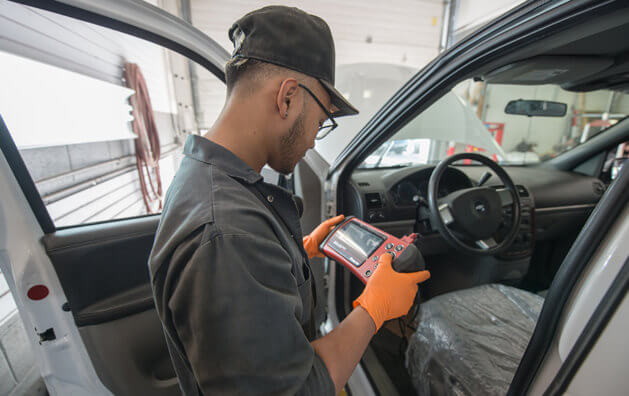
(82, 287)
(524, 24)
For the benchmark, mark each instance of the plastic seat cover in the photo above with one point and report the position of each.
(470, 342)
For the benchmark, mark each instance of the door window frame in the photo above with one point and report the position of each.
(181, 27)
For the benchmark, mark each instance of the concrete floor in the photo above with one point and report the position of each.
(19, 375)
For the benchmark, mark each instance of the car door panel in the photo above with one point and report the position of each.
(103, 269)
(129, 302)
(130, 355)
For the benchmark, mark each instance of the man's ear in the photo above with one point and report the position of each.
(286, 103)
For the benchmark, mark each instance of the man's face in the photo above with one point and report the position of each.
(301, 135)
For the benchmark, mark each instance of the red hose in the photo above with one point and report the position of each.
(147, 146)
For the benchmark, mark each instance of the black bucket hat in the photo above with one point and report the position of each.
(291, 38)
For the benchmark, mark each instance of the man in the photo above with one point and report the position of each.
(230, 271)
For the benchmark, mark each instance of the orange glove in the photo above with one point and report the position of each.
(312, 241)
(389, 294)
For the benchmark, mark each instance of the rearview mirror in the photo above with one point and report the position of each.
(536, 108)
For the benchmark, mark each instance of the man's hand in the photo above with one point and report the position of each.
(389, 294)
(312, 241)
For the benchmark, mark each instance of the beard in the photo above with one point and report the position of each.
(290, 154)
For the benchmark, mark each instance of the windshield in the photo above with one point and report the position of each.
(512, 124)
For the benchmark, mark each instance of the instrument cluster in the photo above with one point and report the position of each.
(415, 187)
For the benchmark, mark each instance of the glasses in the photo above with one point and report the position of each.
(328, 125)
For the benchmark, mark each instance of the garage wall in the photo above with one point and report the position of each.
(399, 32)
(81, 47)
(83, 181)
(469, 15)
(545, 131)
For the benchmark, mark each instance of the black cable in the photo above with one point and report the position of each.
(407, 323)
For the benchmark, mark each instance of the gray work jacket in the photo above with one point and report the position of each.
(232, 283)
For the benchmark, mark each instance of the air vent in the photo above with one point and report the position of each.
(363, 184)
(374, 201)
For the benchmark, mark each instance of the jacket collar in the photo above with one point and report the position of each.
(205, 150)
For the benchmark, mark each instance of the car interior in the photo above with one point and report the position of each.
(478, 310)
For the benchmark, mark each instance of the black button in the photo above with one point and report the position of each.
(389, 246)
(368, 273)
(399, 248)
(374, 258)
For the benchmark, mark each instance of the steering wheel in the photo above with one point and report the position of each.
(474, 214)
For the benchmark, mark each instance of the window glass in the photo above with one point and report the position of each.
(512, 124)
(69, 101)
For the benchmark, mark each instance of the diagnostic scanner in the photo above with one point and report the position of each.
(358, 246)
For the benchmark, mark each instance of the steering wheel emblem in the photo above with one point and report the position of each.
(480, 207)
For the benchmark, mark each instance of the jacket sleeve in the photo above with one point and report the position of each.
(235, 309)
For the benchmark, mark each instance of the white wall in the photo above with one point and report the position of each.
(83, 48)
(402, 32)
(63, 114)
(367, 86)
(545, 131)
(471, 14)
(104, 171)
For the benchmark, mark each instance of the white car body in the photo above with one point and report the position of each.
(65, 364)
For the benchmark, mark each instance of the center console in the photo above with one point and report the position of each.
(523, 243)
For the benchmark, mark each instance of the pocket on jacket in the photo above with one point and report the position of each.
(305, 293)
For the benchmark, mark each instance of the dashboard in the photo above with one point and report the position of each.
(393, 195)
(392, 199)
(554, 207)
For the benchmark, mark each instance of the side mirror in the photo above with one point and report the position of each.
(536, 108)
